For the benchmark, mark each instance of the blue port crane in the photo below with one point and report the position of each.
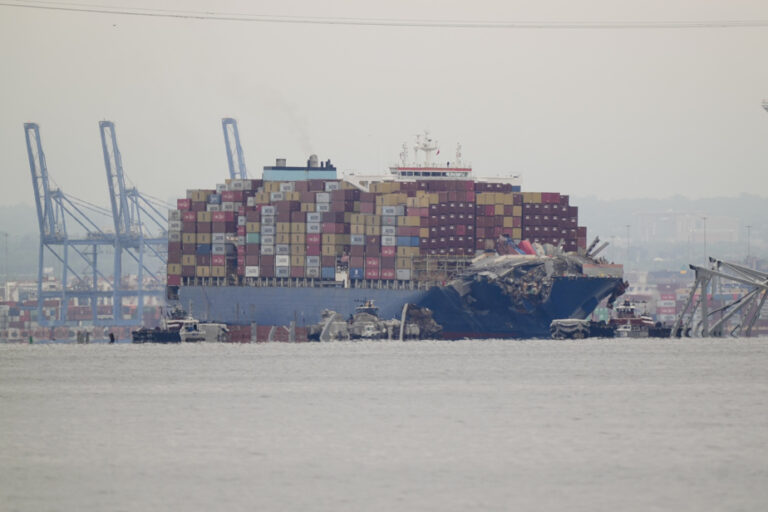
(234, 149)
(54, 210)
(140, 228)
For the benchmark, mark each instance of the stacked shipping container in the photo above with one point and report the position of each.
(306, 229)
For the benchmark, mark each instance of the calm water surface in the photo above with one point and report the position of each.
(493, 425)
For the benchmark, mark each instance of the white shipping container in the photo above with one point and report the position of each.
(323, 197)
(282, 271)
(228, 206)
(388, 210)
(357, 239)
(174, 214)
(277, 196)
(388, 231)
(251, 271)
(282, 249)
(283, 260)
(665, 304)
(323, 207)
(174, 226)
(267, 230)
(268, 210)
(220, 187)
(174, 236)
(268, 220)
(287, 187)
(250, 201)
(267, 250)
(314, 217)
(213, 207)
(218, 238)
(313, 261)
(388, 241)
(403, 274)
(330, 186)
(312, 272)
(313, 228)
(267, 239)
(241, 220)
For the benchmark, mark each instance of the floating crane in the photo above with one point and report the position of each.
(54, 209)
(234, 149)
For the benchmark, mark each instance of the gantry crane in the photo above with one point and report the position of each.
(54, 209)
(140, 227)
(234, 149)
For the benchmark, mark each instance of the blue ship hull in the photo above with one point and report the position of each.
(491, 314)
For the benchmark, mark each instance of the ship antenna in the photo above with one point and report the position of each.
(458, 154)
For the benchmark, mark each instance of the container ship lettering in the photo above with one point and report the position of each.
(488, 260)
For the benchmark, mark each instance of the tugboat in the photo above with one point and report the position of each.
(628, 324)
(179, 327)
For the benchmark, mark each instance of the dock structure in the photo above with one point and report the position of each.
(737, 317)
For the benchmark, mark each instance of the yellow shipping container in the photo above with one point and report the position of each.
(188, 238)
(219, 271)
(261, 198)
(203, 238)
(253, 227)
(298, 249)
(330, 250)
(403, 262)
(532, 197)
(283, 227)
(372, 220)
(423, 232)
(507, 222)
(203, 271)
(174, 269)
(188, 260)
(506, 198)
(357, 229)
(308, 207)
(298, 238)
(517, 233)
(498, 209)
(517, 211)
(298, 260)
(298, 227)
(292, 196)
(283, 238)
(204, 216)
(372, 230)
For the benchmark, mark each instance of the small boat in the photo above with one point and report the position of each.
(180, 327)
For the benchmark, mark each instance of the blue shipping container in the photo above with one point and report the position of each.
(356, 273)
(328, 272)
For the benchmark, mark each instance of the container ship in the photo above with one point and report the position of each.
(282, 249)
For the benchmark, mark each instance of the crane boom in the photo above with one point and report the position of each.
(235, 153)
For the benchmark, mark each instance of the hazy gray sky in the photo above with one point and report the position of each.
(613, 112)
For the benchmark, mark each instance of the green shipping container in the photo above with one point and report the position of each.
(252, 238)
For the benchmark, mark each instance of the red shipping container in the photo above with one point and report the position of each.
(356, 261)
(372, 262)
(183, 204)
(297, 271)
(388, 251)
(372, 273)
(240, 230)
(314, 238)
(387, 273)
(266, 270)
(314, 250)
(232, 196)
(174, 280)
(188, 216)
(241, 249)
(218, 260)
